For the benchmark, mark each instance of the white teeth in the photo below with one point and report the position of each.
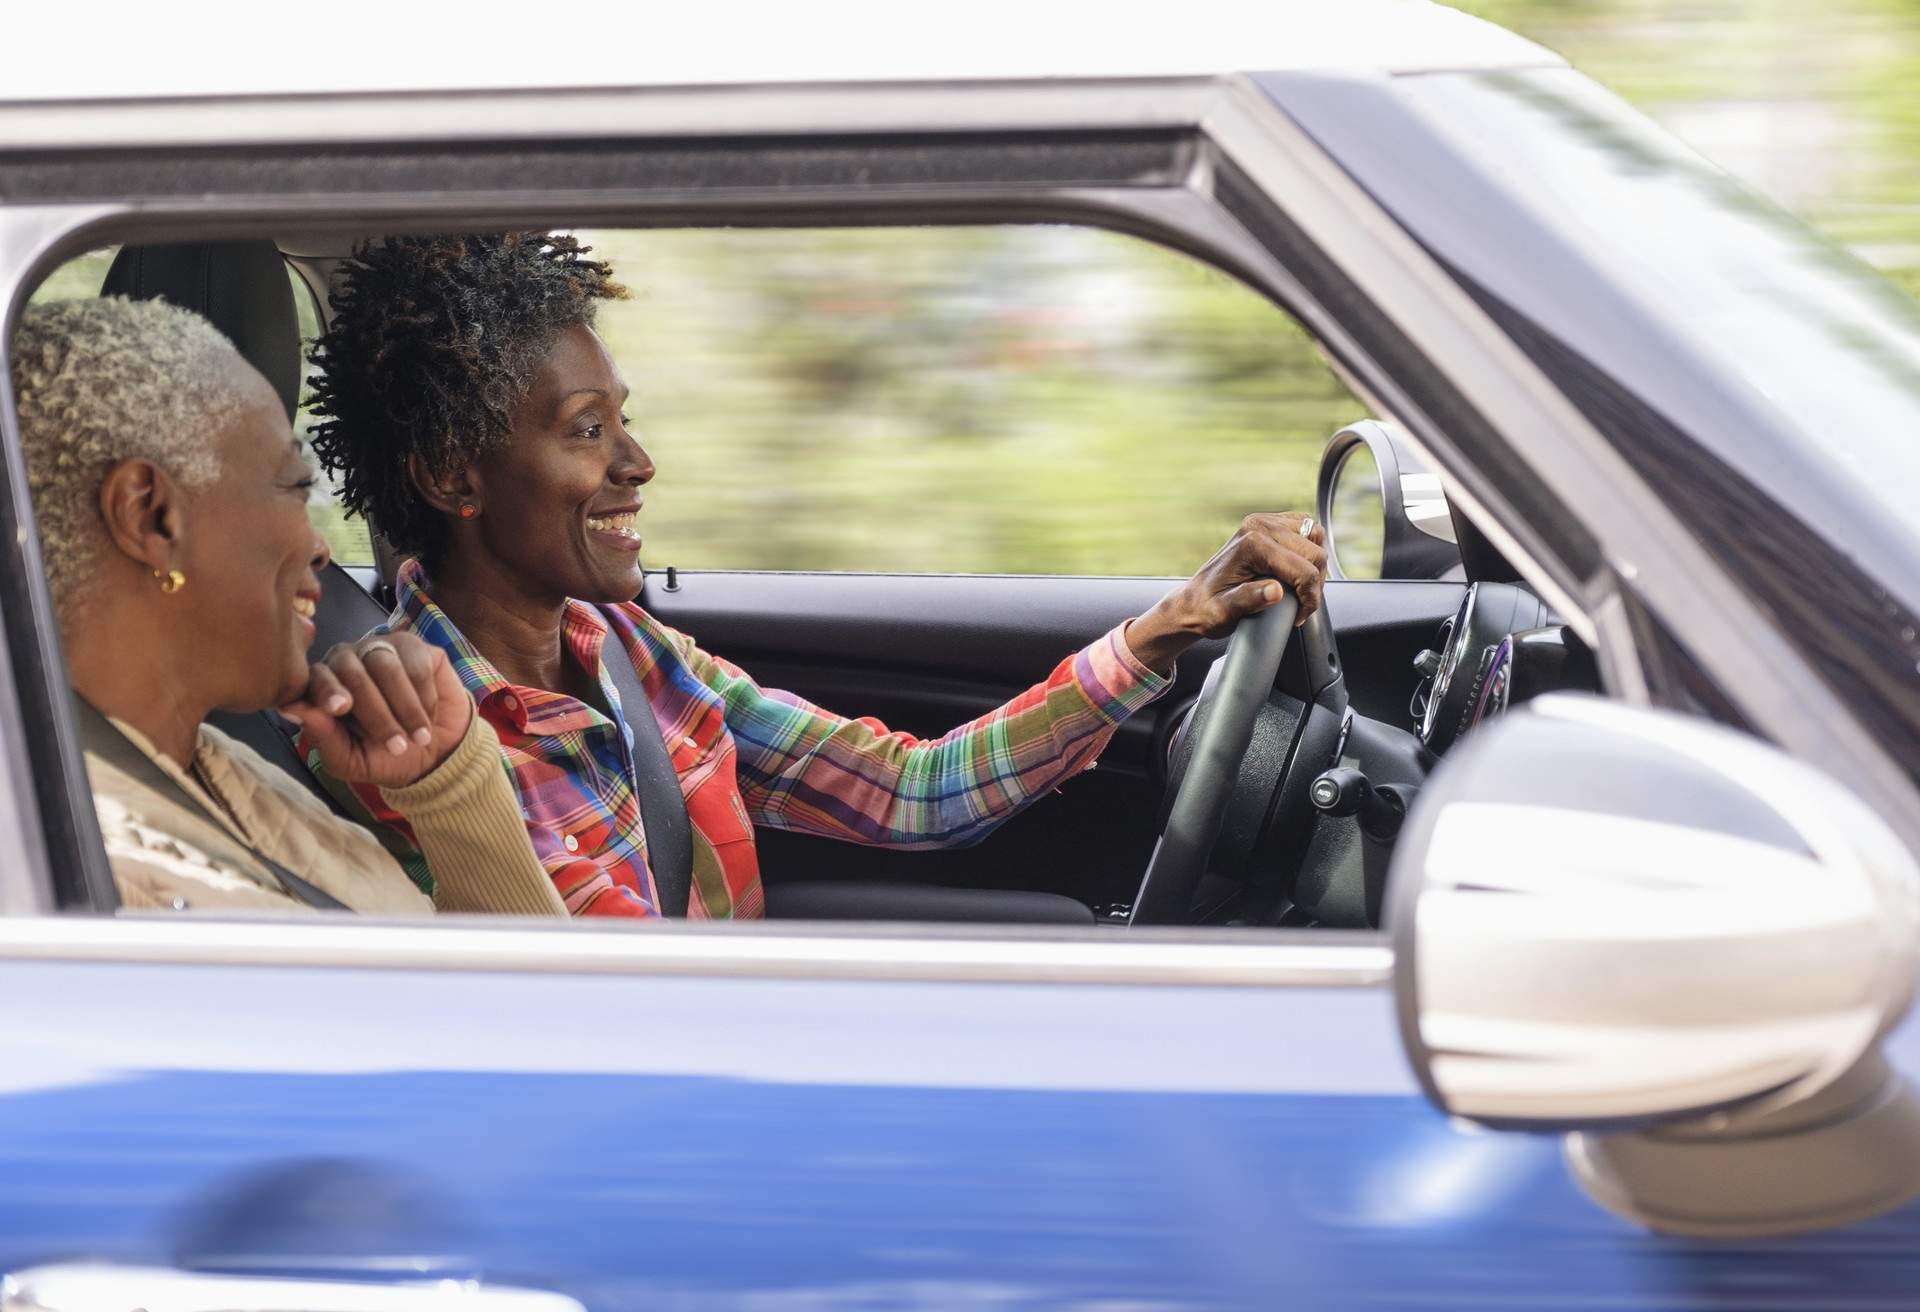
(303, 607)
(621, 523)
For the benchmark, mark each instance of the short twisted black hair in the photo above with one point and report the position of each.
(434, 343)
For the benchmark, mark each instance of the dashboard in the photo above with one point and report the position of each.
(1501, 647)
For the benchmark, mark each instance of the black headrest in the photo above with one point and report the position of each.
(241, 286)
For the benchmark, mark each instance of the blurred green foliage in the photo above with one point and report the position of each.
(79, 277)
(994, 400)
(1815, 105)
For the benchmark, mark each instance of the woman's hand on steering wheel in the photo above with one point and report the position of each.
(1243, 578)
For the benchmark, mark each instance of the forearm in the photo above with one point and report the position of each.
(1161, 636)
(1177, 621)
(858, 782)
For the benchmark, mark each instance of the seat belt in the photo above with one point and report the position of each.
(98, 735)
(663, 810)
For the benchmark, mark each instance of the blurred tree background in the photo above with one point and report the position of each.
(1815, 105)
(994, 400)
(1055, 400)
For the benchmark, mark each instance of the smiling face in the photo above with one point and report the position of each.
(561, 497)
(252, 559)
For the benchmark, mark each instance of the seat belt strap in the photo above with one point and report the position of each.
(663, 810)
(98, 736)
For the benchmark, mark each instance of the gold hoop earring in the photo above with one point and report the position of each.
(172, 581)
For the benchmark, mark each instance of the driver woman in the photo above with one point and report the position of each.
(477, 420)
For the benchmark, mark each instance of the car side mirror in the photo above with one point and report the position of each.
(1676, 941)
(1384, 510)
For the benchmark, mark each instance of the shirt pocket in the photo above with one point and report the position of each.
(715, 809)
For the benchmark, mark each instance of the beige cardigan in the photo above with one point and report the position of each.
(464, 814)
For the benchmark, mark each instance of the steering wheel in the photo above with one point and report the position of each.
(1222, 729)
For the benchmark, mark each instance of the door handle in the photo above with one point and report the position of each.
(99, 1287)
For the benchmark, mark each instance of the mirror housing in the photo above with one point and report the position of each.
(1417, 529)
(1606, 915)
(1675, 939)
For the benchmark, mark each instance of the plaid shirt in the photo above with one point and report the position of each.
(748, 755)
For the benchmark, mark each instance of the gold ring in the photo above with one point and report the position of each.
(378, 644)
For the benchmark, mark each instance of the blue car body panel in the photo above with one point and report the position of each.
(695, 1142)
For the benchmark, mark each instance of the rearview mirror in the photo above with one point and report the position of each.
(1384, 510)
(1608, 919)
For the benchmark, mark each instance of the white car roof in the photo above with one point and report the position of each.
(62, 53)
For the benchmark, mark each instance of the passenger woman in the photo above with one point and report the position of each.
(478, 421)
(171, 498)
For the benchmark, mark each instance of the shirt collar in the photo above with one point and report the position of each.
(529, 710)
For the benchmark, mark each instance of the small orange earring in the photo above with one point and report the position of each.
(172, 581)
(468, 510)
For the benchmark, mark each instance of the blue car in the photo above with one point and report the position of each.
(1535, 927)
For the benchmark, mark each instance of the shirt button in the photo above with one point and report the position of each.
(511, 702)
(572, 844)
(688, 742)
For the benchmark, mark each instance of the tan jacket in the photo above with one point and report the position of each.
(464, 813)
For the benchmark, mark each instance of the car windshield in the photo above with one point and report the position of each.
(1830, 346)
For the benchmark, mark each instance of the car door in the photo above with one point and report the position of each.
(717, 1117)
(672, 1118)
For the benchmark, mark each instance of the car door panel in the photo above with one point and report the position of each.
(695, 1139)
(1005, 631)
(782, 1142)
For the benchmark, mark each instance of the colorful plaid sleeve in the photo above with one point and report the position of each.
(806, 769)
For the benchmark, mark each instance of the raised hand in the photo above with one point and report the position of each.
(384, 710)
(1244, 577)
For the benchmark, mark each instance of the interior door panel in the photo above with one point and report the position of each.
(927, 652)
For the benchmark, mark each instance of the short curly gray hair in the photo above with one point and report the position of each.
(99, 381)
